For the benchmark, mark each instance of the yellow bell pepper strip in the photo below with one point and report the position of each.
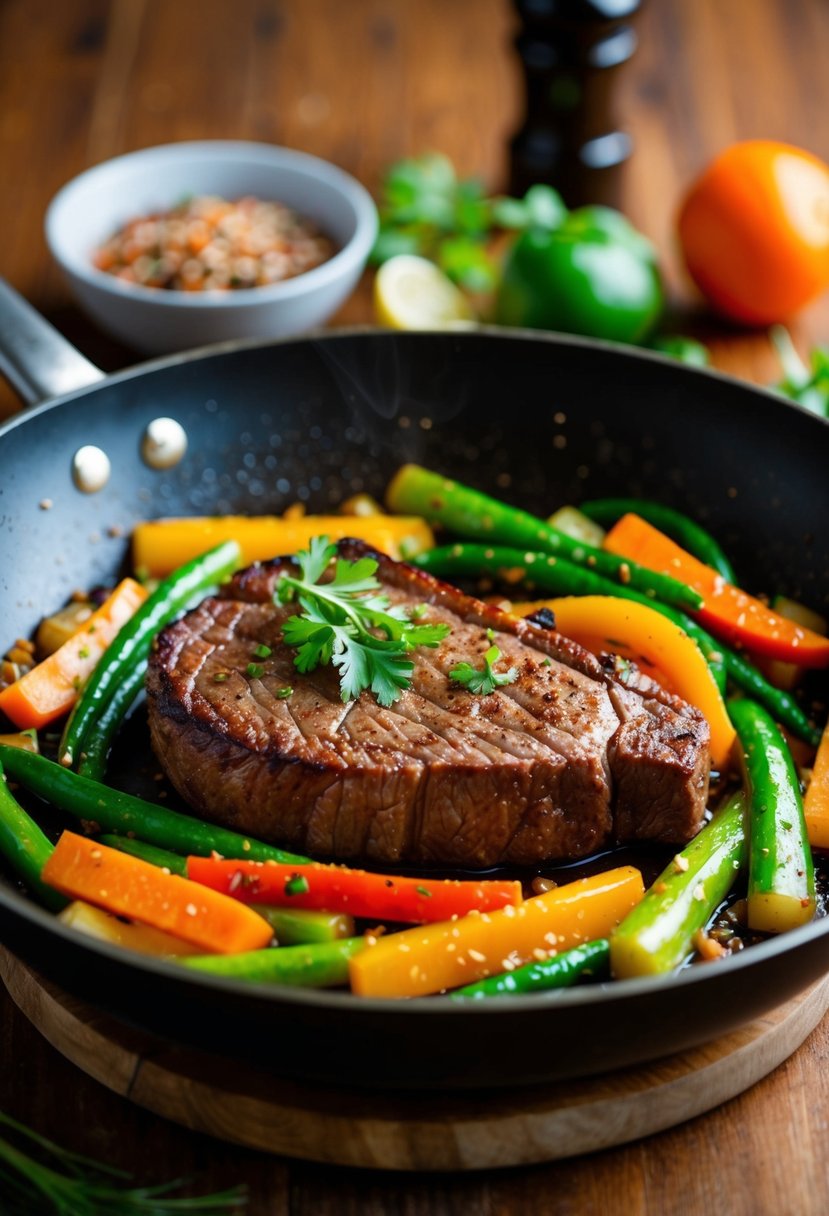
(161, 545)
(816, 799)
(126, 886)
(51, 688)
(104, 927)
(449, 954)
(24, 739)
(657, 935)
(635, 631)
(727, 611)
(358, 892)
(781, 878)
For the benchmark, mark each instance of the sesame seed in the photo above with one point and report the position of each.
(191, 910)
(95, 854)
(699, 892)
(681, 864)
(404, 948)
(414, 972)
(477, 956)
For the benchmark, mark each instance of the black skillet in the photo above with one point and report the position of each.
(540, 420)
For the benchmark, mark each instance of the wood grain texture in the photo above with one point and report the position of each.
(363, 83)
(244, 1105)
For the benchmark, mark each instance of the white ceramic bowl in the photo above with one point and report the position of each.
(89, 209)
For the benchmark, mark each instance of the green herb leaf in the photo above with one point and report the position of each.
(348, 622)
(485, 680)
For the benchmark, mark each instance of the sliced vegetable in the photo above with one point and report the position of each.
(780, 704)
(126, 886)
(58, 628)
(726, 610)
(427, 959)
(685, 531)
(340, 889)
(573, 522)
(318, 965)
(657, 935)
(104, 927)
(781, 880)
(290, 926)
(133, 643)
(473, 514)
(561, 971)
(816, 800)
(115, 811)
(788, 675)
(161, 545)
(26, 739)
(603, 623)
(51, 688)
(25, 847)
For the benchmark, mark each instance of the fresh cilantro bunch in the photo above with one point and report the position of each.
(426, 210)
(483, 680)
(349, 622)
(807, 385)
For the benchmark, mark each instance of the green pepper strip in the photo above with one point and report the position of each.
(781, 705)
(115, 811)
(92, 761)
(686, 532)
(559, 972)
(556, 575)
(291, 926)
(657, 935)
(132, 643)
(781, 879)
(417, 491)
(25, 847)
(321, 965)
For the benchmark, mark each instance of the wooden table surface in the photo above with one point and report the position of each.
(364, 83)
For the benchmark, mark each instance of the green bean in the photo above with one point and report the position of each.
(561, 971)
(290, 925)
(92, 761)
(781, 879)
(686, 532)
(417, 491)
(320, 965)
(132, 643)
(25, 847)
(115, 811)
(657, 935)
(542, 572)
(781, 705)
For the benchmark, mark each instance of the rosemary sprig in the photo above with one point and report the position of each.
(349, 623)
(58, 1182)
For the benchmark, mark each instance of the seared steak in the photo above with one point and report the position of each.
(560, 763)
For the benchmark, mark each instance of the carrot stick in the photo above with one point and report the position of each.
(421, 961)
(358, 892)
(816, 798)
(160, 545)
(727, 611)
(122, 884)
(51, 688)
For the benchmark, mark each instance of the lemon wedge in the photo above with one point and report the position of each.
(413, 293)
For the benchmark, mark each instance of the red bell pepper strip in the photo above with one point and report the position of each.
(340, 889)
(728, 612)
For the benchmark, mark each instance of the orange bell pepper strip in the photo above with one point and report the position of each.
(663, 650)
(50, 689)
(162, 545)
(432, 958)
(358, 892)
(126, 886)
(816, 798)
(727, 611)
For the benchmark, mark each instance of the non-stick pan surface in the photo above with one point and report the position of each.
(536, 419)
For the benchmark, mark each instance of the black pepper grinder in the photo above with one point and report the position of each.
(571, 52)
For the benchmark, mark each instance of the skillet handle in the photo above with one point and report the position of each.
(36, 360)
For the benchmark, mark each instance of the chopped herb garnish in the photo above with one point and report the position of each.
(419, 611)
(297, 885)
(340, 621)
(76, 683)
(255, 669)
(282, 694)
(490, 635)
(546, 662)
(424, 891)
(83, 653)
(485, 680)
(221, 676)
(262, 651)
